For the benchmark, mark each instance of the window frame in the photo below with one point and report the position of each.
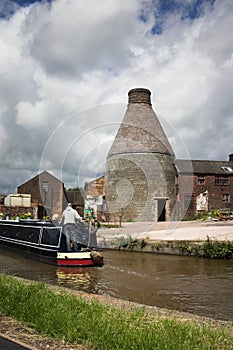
(200, 179)
(222, 180)
(226, 198)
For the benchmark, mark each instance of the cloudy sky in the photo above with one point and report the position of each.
(67, 65)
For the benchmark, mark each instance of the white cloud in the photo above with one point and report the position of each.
(77, 37)
(59, 62)
(31, 115)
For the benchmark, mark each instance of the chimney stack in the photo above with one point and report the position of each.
(139, 95)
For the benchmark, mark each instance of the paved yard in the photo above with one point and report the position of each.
(168, 231)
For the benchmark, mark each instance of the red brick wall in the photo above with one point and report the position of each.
(95, 188)
(188, 185)
(50, 198)
(216, 192)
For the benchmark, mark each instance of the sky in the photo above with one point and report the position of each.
(66, 68)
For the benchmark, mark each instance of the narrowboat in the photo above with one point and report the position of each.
(44, 241)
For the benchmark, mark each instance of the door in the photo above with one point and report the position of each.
(161, 215)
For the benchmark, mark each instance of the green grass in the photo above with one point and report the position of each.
(62, 315)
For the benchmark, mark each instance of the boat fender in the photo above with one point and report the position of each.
(96, 256)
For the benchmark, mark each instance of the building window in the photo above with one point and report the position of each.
(221, 180)
(45, 189)
(45, 186)
(226, 198)
(201, 180)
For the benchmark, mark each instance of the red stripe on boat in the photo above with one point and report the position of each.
(78, 262)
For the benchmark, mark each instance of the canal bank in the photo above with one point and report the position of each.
(221, 330)
(178, 238)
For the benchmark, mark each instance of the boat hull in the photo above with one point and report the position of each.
(45, 244)
(82, 258)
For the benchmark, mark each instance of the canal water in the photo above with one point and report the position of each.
(200, 286)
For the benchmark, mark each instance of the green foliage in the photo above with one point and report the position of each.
(156, 245)
(184, 247)
(64, 316)
(75, 189)
(132, 242)
(26, 215)
(143, 243)
(218, 250)
(97, 223)
(109, 225)
(204, 215)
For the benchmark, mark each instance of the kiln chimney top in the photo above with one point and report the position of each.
(139, 95)
(140, 131)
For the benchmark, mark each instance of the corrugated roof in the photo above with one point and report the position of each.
(204, 166)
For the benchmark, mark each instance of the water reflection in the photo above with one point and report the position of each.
(80, 279)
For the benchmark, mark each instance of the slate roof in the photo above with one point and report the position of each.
(204, 166)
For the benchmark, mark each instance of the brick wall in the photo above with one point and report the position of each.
(216, 192)
(188, 185)
(135, 183)
(95, 187)
(47, 192)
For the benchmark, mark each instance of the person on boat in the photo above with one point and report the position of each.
(69, 220)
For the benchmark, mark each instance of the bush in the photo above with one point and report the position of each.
(218, 250)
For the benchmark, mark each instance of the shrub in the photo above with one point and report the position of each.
(218, 250)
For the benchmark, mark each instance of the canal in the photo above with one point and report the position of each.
(200, 286)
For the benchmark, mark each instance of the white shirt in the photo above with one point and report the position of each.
(70, 216)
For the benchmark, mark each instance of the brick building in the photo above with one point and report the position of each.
(95, 188)
(201, 185)
(144, 181)
(95, 197)
(205, 185)
(47, 194)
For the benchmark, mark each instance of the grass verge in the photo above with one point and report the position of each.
(62, 315)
